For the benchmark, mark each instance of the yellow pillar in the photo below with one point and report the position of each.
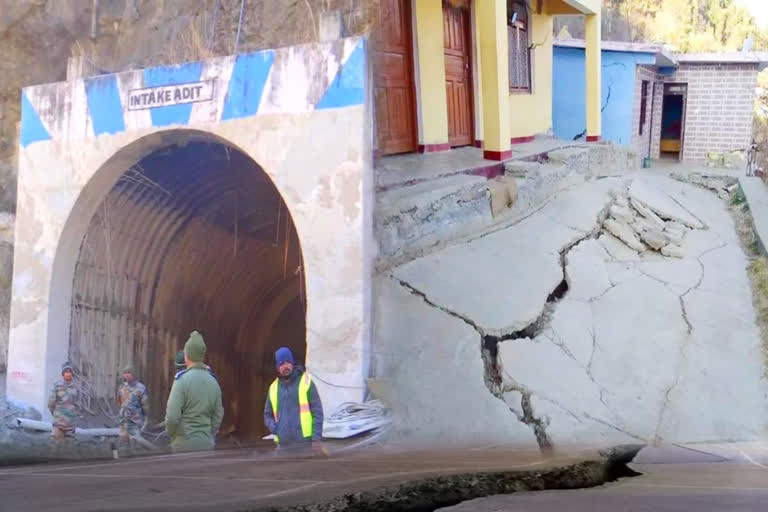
(430, 75)
(494, 59)
(593, 70)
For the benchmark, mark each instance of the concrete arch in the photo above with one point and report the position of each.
(313, 145)
(124, 264)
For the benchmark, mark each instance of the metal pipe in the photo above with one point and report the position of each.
(98, 432)
(45, 426)
(94, 18)
(239, 25)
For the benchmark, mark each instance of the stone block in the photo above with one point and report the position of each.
(621, 213)
(521, 169)
(647, 213)
(673, 251)
(654, 238)
(624, 233)
(499, 196)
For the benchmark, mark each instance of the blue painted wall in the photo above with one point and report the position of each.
(569, 93)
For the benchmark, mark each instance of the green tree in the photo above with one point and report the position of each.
(686, 25)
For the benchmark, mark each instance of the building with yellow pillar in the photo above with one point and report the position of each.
(451, 73)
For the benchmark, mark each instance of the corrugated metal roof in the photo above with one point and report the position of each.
(665, 58)
(612, 46)
(759, 58)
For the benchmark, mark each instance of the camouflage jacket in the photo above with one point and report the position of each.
(134, 402)
(62, 404)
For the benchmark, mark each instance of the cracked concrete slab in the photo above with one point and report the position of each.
(678, 274)
(620, 272)
(571, 328)
(639, 345)
(617, 249)
(438, 387)
(588, 417)
(661, 203)
(586, 280)
(501, 281)
(639, 327)
(706, 206)
(579, 430)
(752, 452)
(723, 368)
(725, 273)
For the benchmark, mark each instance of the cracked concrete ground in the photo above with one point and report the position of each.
(552, 331)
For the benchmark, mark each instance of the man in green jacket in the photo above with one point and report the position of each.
(194, 411)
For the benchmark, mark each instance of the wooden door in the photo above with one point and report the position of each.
(458, 75)
(393, 79)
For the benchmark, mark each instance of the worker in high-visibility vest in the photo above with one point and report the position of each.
(293, 412)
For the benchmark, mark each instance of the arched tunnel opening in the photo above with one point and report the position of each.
(194, 236)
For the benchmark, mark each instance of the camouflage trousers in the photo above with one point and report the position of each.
(61, 433)
(127, 430)
(63, 438)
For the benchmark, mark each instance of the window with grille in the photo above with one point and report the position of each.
(519, 52)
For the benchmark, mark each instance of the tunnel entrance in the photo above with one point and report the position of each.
(194, 236)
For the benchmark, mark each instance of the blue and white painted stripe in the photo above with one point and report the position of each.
(172, 75)
(32, 128)
(246, 84)
(288, 80)
(104, 105)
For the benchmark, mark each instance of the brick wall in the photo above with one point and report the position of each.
(719, 110)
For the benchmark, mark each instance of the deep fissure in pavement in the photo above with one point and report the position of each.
(430, 494)
(493, 377)
(489, 344)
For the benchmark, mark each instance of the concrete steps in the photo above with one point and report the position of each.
(420, 215)
(412, 219)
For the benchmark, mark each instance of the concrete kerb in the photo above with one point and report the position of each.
(756, 194)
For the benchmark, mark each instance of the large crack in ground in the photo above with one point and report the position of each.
(437, 492)
(494, 371)
(685, 343)
(489, 344)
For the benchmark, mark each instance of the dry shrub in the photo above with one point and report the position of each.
(190, 42)
(758, 266)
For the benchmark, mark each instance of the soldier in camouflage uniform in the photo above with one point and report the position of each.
(62, 404)
(134, 406)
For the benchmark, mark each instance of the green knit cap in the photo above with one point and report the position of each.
(128, 368)
(194, 349)
(180, 359)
